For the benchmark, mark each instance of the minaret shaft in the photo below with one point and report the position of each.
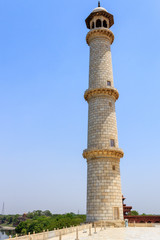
(102, 125)
(100, 69)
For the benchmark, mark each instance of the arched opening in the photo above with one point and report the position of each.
(112, 142)
(104, 24)
(110, 104)
(149, 222)
(113, 167)
(157, 222)
(98, 23)
(92, 24)
(108, 83)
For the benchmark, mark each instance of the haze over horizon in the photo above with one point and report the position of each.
(44, 66)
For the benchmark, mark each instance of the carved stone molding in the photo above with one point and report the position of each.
(100, 32)
(100, 92)
(112, 153)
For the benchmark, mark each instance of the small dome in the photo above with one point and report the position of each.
(98, 9)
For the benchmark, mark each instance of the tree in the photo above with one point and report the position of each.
(47, 213)
(133, 213)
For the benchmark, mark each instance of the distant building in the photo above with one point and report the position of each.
(138, 218)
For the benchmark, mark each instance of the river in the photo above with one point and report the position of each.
(4, 234)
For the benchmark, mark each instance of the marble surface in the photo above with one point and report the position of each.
(136, 233)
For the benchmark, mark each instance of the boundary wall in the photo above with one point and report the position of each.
(45, 235)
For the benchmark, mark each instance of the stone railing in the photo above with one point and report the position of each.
(45, 235)
(141, 224)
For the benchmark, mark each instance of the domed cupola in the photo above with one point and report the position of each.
(99, 18)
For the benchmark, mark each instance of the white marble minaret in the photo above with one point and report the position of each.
(104, 197)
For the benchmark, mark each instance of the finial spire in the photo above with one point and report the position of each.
(99, 4)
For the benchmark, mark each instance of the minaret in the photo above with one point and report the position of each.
(104, 197)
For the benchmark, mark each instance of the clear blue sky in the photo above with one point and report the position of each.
(44, 66)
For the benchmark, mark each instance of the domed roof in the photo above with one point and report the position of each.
(98, 9)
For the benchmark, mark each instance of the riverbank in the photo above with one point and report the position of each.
(6, 228)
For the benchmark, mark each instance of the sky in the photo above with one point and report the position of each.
(44, 68)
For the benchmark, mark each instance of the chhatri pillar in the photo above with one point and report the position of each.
(104, 196)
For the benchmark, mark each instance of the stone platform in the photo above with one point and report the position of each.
(133, 233)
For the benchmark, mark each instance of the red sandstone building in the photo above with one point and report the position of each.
(138, 218)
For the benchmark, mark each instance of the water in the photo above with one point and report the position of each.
(5, 234)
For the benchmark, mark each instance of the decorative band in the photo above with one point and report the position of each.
(101, 91)
(100, 32)
(112, 153)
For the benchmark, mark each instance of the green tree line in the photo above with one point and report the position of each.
(40, 223)
(37, 221)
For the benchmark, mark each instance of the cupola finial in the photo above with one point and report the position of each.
(99, 4)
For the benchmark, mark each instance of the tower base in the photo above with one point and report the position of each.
(114, 223)
(104, 196)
